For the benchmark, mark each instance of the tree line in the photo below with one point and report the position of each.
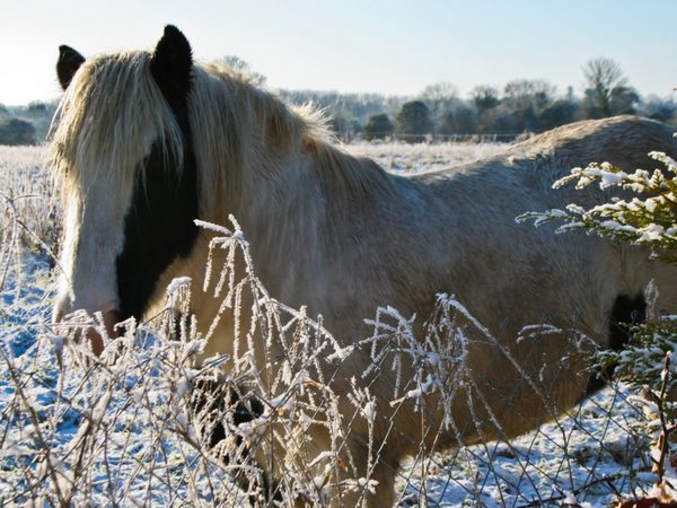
(521, 106)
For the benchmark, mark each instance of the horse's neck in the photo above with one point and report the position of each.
(297, 219)
(284, 205)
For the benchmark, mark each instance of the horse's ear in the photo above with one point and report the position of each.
(171, 66)
(68, 64)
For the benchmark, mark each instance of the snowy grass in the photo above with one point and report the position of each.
(400, 157)
(120, 431)
(78, 431)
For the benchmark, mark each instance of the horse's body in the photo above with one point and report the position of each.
(341, 236)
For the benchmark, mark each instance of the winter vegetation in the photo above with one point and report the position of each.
(119, 430)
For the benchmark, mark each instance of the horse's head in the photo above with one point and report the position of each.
(123, 150)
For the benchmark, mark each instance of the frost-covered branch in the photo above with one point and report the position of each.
(648, 218)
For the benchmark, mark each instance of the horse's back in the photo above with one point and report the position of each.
(624, 141)
(470, 217)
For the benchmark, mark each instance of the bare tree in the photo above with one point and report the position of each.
(240, 65)
(528, 93)
(608, 92)
(440, 98)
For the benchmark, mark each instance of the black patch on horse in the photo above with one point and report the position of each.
(159, 227)
(160, 224)
(627, 311)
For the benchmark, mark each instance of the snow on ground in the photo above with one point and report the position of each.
(91, 436)
(404, 158)
(591, 456)
(598, 452)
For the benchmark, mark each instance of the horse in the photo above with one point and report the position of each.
(145, 142)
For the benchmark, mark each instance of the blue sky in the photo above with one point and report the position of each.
(390, 47)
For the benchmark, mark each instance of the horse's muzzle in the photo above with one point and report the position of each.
(90, 334)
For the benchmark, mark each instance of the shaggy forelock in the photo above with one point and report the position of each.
(108, 119)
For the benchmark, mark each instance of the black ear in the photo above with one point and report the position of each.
(171, 66)
(68, 64)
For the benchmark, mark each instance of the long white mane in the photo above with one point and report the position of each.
(114, 111)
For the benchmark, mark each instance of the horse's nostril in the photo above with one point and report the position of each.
(110, 319)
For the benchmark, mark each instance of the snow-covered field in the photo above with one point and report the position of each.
(399, 157)
(119, 434)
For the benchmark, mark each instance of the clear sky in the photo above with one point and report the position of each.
(390, 47)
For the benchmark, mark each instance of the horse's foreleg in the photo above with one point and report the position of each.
(384, 493)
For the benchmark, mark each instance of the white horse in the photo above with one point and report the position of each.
(147, 142)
